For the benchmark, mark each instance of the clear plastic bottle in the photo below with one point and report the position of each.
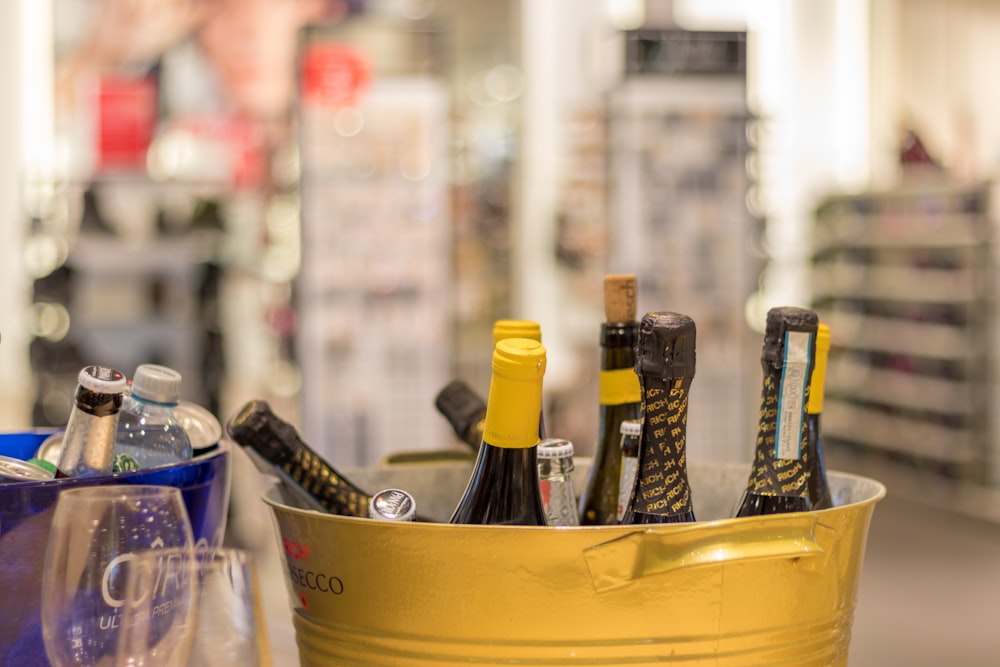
(148, 430)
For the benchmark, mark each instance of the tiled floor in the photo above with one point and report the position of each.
(929, 597)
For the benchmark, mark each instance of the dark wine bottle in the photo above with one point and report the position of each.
(503, 487)
(778, 478)
(257, 429)
(665, 363)
(819, 487)
(619, 398)
(464, 410)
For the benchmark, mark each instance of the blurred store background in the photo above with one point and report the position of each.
(327, 203)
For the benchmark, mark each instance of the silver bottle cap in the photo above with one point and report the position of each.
(392, 505)
(631, 427)
(554, 448)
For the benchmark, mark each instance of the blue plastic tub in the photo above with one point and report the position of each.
(26, 513)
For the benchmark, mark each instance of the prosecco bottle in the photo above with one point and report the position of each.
(465, 411)
(778, 479)
(665, 363)
(503, 487)
(819, 488)
(619, 399)
(266, 436)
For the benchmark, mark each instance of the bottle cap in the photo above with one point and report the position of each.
(554, 448)
(619, 297)
(666, 346)
(392, 505)
(780, 321)
(503, 329)
(100, 391)
(156, 383)
(631, 427)
(519, 359)
(102, 380)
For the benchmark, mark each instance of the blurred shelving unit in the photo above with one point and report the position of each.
(906, 280)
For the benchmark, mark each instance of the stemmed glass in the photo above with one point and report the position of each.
(97, 534)
(228, 630)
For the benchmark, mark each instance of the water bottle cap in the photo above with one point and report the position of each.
(102, 380)
(631, 427)
(392, 505)
(156, 383)
(554, 448)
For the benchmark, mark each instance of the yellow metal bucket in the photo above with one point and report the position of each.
(776, 590)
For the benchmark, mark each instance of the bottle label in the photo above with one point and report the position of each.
(663, 484)
(626, 482)
(792, 396)
(618, 387)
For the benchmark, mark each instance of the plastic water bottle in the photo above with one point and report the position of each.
(148, 430)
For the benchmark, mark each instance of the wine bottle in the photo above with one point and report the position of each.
(262, 433)
(88, 445)
(778, 479)
(464, 410)
(819, 488)
(665, 363)
(619, 398)
(503, 329)
(503, 487)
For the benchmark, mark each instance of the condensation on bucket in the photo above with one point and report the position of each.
(777, 590)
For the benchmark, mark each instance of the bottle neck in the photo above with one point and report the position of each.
(662, 487)
(782, 430)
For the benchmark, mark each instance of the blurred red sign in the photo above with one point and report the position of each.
(127, 110)
(334, 74)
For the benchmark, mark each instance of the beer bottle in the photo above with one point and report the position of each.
(503, 487)
(631, 430)
(555, 468)
(778, 479)
(267, 437)
(88, 445)
(665, 363)
(618, 397)
(819, 488)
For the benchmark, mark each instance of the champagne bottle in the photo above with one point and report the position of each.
(274, 442)
(88, 445)
(778, 479)
(464, 410)
(503, 487)
(619, 397)
(819, 488)
(665, 362)
(503, 329)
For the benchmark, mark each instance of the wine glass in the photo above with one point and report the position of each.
(97, 532)
(227, 626)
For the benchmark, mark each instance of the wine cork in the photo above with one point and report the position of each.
(619, 297)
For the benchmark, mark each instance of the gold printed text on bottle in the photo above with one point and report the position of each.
(663, 485)
(326, 485)
(774, 476)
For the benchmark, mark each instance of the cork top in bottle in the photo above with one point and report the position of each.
(619, 297)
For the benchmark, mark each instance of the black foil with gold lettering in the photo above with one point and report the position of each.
(778, 479)
(665, 363)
